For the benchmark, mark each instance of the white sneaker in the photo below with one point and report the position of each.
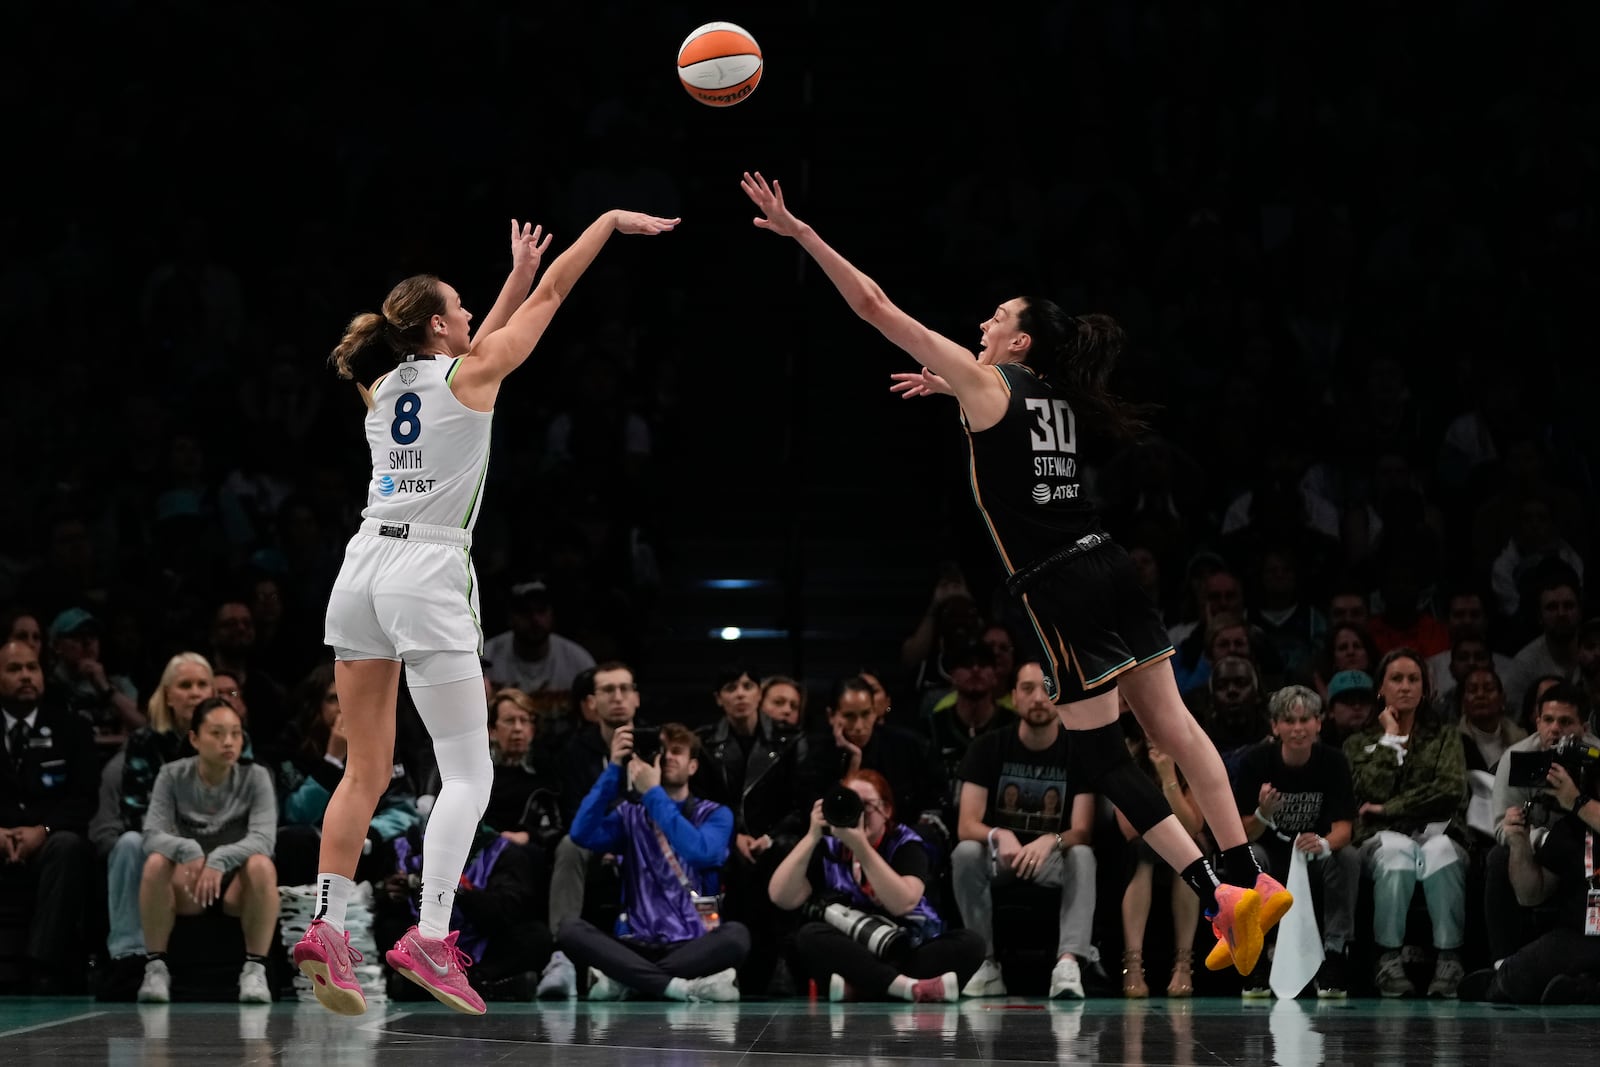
(987, 982)
(603, 987)
(1065, 979)
(559, 980)
(722, 986)
(157, 985)
(253, 988)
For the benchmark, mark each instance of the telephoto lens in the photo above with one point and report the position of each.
(841, 806)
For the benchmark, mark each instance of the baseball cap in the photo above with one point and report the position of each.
(534, 589)
(1350, 682)
(72, 621)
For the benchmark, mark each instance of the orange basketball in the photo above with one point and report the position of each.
(719, 64)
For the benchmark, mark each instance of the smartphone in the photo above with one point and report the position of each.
(1529, 770)
(646, 743)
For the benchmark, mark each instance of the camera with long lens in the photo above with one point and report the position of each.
(1580, 759)
(841, 806)
(878, 934)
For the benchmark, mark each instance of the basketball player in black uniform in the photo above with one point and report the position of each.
(1039, 380)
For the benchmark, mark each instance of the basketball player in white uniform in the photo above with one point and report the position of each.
(406, 593)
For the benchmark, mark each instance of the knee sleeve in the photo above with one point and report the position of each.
(457, 718)
(1098, 762)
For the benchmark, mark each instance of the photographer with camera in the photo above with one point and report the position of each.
(862, 878)
(669, 940)
(1522, 783)
(1562, 965)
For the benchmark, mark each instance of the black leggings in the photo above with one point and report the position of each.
(650, 968)
(825, 951)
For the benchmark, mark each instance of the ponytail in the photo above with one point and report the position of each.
(1079, 353)
(402, 325)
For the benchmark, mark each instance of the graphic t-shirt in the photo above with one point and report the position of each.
(1028, 790)
(1314, 795)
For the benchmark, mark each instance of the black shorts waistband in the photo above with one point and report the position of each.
(1024, 578)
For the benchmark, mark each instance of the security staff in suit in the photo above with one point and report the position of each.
(47, 794)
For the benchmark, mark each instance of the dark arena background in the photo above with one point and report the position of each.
(1354, 251)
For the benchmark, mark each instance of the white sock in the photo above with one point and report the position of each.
(333, 896)
(677, 989)
(902, 987)
(438, 898)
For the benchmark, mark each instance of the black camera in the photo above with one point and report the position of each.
(842, 807)
(646, 743)
(1529, 770)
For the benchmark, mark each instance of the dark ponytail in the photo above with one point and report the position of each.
(1078, 353)
(403, 324)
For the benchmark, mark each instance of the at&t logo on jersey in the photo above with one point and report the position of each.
(385, 486)
(1044, 494)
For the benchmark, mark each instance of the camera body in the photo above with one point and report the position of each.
(841, 806)
(1580, 759)
(646, 743)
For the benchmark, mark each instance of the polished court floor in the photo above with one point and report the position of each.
(1202, 1033)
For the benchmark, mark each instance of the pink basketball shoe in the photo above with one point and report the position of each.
(328, 960)
(439, 967)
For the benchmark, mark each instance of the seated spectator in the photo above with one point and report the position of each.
(47, 788)
(495, 917)
(1291, 625)
(783, 700)
(1563, 965)
(670, 941)
(1146, 868)
(1404, 623)
(966, 713)
(1559, 599)
(1349, 605)
(1352, 702)
(1465, 617)
(209, 833)
(1410, 784)
(1226, 634)
(125, 784)
(856, 740)
(750, 766)
(1487, 730)
(952, 619)
(1234, 712)
(525, 800)
(108, 701)
(1016, 823)
(1589, 668)
(1295, 794)
(1536, 543)
(1349, 648)
(24, 626)
(1468, 654)
(998, 638)
(531, 656)
(233, 649)
(584, 760)
(1559, 717)
(880, 868)
(307, 778)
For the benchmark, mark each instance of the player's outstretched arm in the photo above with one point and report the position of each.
(946, 359)
(497, 355)
(528, 246)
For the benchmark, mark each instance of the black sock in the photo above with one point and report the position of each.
(1239, 866)
(249, 958)
(1203, 880)
(152, 957)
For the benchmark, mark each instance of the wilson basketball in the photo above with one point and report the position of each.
(719, 64)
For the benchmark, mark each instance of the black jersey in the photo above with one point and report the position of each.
(1024, 472)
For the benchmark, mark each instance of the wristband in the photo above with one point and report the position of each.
(1262, 817)
(1326, 849)
(1058, 842)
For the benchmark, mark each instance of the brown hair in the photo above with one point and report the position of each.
(675, 733)
(877, 782)
(1078, 353)
(402, 325)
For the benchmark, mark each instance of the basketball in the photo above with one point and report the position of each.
(719, 64)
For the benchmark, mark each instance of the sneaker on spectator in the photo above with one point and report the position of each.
(1065, 979)
(1333, 977)
(987, 982)
(1447, 975)
(326, 958)
(1256, 986)
(157, 985)
(438, 966)
(1391, 977)
(253, 988)
(559, 980)
(941, 990)
(603, 987)
(840, 991)
(722, 986)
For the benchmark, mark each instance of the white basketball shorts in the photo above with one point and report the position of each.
(405, 587)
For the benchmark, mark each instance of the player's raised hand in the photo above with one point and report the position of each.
(639, 222)
(528, 246)
(769, 198)
(911, 384)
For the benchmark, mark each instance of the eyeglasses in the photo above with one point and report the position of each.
(616, 687)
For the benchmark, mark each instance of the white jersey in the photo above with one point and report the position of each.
(430, 452)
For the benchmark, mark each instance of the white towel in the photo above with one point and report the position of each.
(1299, 951)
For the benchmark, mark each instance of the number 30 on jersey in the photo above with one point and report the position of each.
(1057, 428)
